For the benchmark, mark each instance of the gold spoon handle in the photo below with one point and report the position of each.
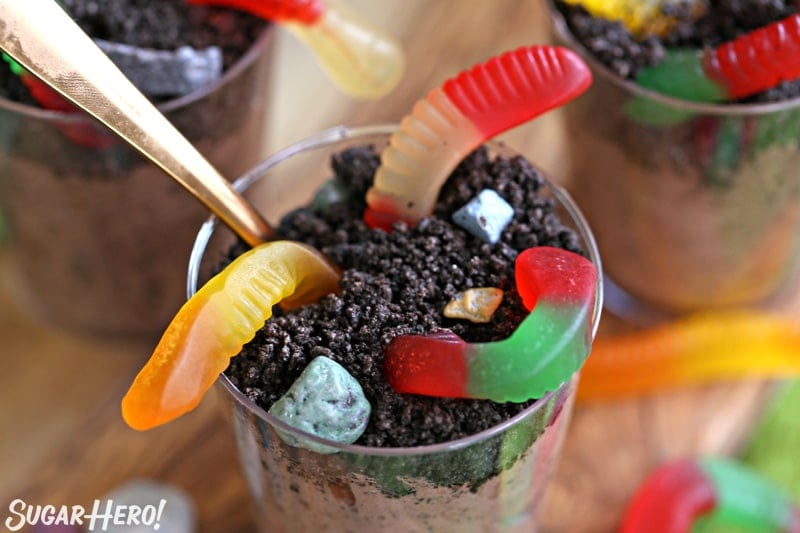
(42, 37)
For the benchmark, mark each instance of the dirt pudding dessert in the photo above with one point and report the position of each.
(86, 214)
(694, 152)
(420, 370)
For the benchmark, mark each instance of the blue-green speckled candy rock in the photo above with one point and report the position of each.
(325, 401)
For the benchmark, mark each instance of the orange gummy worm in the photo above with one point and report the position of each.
(700, 348)
(214, 324)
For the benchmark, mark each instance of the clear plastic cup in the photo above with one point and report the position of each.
(694, 206)
(491, 481)
(98, 236)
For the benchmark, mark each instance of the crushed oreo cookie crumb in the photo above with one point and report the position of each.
(398, 283)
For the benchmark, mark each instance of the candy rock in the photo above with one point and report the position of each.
(477, 305)
(325, 401)
(171, 509)
(165, 72)
(485, 216)
(333, 191)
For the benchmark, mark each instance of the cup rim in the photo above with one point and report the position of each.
(331, 136)
(244, 62)
(562, 31)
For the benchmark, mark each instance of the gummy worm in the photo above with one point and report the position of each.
(736, 69)
(642, 17)
(549, 345)
(695, 349)
(360, 58)
(460, 115)
(214, 324)
(679, 493)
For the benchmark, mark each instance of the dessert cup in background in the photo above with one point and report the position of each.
(490, 481)
(685, 221)
(98, 235)
(694, 206)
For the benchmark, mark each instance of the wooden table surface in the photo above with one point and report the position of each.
(62, 440)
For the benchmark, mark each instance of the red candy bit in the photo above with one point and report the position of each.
(412, 369)
(670, 500)
(517, 86)
(303, 11)
(758, 60)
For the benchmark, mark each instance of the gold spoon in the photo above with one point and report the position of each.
(42, 37)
